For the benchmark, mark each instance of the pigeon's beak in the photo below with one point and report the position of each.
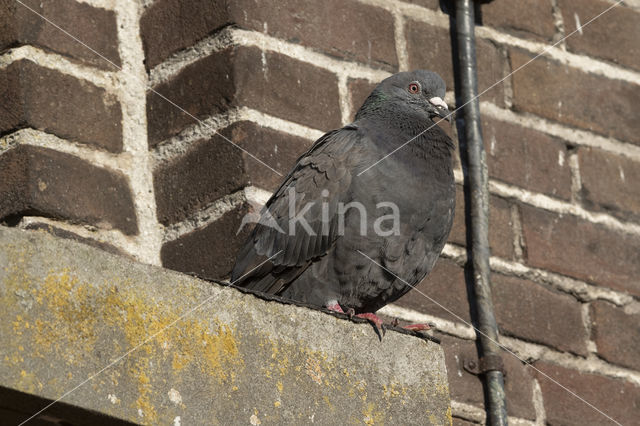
(440, 108)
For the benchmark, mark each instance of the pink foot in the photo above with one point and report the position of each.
(373, 318)
(417, 327)
(334, 306)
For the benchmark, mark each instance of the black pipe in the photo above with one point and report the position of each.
(490, 360)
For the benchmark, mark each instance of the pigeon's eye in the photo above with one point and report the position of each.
(413, 88)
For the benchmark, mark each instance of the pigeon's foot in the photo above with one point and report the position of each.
(413, 327)
(417, 327)
(334, 306)
(373, 318)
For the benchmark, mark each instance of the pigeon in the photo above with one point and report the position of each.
(349, 218)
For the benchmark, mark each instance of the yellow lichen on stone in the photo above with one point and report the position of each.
(314, 370)
(372, 416)
(77, 320)
(68, 327)
(28, 382)
(72, 314)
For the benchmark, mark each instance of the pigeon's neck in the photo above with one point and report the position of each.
(397, 122)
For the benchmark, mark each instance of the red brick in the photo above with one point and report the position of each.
(500, 226)
(613, 36)
(437, 57)
(507, 15)
(571, 246)
(467, 388)
(53, 184)
(228, 79)
(346, 29)
(618, 399)
(617, 334)
(530, 312)
(214, 167)
(96, 28)
(576, 98)
(210, 251)
(527, 158)
(60, 104)
(610, 183)
(446, 285)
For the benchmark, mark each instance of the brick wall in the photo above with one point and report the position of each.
(123, 146)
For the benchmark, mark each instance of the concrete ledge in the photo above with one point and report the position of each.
(69, 310)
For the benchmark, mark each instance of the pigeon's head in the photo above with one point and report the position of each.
(418, 91)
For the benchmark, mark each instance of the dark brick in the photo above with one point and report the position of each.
(63, 233)
(610, 183)
(571, 246)
(528, 311)
(14, 172)
(518, 386)
(282, 87)
(446, 285)
(437, 57)
(507, 15)
(96, 28)
(614, 36)
(617, 334)
(463, 386)
(277, 149)
(527, 158)
(209, 252)
(287, 88)
(168, 26)
(60, 104)
(12, 115)
(213, 168)
(611, 105)
(618, 399)
(203, 88)
(62, 186)
(500, 226)
(467, 388)
(209, 170)
(346, 29)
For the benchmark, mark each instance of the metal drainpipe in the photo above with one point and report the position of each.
(490, 361)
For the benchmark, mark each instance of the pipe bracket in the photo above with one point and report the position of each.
(491, 362)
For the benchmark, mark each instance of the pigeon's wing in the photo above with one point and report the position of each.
(299, 223)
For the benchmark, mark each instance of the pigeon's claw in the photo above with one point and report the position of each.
(377, 322)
